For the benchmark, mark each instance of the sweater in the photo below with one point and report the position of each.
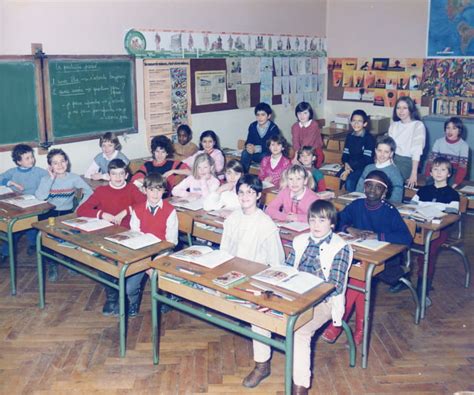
(153, 167)
(429, 193)
(201, 187)
(284, 201)
(308, 136)
(358, 150)
(100, 164)
(182, 152)
(393, 174)
(60, 191)
(319, 182)
(28, 178)
(216, 154)
(111, 200)
(227, 200)
(253, 137)
(383, 219)
(456, 152)
(275, 173)
(410, 138)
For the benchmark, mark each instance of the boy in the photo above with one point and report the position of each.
(251, 234)
(111, 202)
(259, 133)
(439, 192)
(24, 178)
(154, 216)
(306, 157)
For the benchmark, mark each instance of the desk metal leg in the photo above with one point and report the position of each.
(122, 315)
(426, 259)
(11, 256)
(368, 288)
(289, 344)
(39, 262)
(155, 331)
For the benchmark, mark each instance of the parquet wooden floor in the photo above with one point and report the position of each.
(70, 348)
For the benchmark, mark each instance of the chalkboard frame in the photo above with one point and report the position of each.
(93, 135)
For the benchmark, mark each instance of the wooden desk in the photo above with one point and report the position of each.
(94, 184)
(470, 197)
(294, 313)
(15, 219)
(103, 255)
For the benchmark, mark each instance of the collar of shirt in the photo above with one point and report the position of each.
(318, 241)
(113, 156)
(384, 164)
(362, 133)
(452, 141)
(274, 161)
(306, 124)
(118, 188)
(160, 205)
(262, 130)
(24, 169)
(298, 197)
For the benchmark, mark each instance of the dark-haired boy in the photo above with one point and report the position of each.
(259, 133)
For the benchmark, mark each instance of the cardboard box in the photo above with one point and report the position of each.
(379, 124)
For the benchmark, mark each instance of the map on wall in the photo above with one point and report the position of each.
(451, 28)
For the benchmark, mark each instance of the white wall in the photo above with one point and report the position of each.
(98, 27)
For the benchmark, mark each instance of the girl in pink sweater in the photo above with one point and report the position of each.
(273, 166)
(209, 144)
(293, 201)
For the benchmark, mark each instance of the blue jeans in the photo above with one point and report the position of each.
(30, 236)
(247, 159)
(352, 180)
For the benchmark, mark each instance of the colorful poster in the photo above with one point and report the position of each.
(210, 87)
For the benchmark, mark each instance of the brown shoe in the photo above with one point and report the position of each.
(261, 371)
(299, 390)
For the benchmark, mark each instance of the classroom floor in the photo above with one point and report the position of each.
(70, 348)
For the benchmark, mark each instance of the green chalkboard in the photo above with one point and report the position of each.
(18, 102)
(91, 96)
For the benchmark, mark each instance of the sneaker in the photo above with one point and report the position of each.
(428, 302)
(398, 287)
(110, 308)
(53, 273)
(133, 309)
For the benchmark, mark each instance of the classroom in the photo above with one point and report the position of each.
(84, 328)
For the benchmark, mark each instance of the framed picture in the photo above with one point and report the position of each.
(380, 64)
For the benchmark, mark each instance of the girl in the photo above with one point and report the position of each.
(306, 132)
(110, 145)
(453, 147)
(292, 202)
(409, 134)
(358, 150)
(209, 144)
(371, 218)
(184, 148)
(306, 158)
(384, 150)
(201, 183)
(161, 150)
(225, 197)
(273, 166)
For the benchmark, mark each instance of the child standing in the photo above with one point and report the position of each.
(259, 133)
(306, 158)
(358, 150)
(384, 150)
(209, 144)
(306, 132)
(201, 183)
(454, 148)
(110, 145)
(409, 134)
(154, 216)
(292, 202)
(225, 197)
(273, 166)
(184, 148)
(439, 192)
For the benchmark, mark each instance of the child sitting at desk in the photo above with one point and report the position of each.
(155, 216)
(110, 145)
(59, 188)
(306, 157)
(372, 218)
(184, 147)
(273, 166)
(293, 201)
(443, 195)
(225, 197)
(201, 183)
(161, 150)
(209, 144)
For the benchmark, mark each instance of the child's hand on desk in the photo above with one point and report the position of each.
(108, 217)
(17, 186)
(119, 217)
(362, 234)
(96, 176)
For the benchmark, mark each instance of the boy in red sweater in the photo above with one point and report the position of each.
(111, 202)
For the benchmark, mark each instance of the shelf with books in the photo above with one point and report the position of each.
(453, 106)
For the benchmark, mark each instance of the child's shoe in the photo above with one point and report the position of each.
(111, 306)
(133, 309)
(331, 334)
(53, 272)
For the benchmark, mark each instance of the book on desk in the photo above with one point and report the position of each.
(88, 224)
(133, 239)
(203, 255)
(24, 201)
(370, 244)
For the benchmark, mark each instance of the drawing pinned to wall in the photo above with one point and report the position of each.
(210, 87)
(250, 70)
(243, 96)
(234, 72)
(278, 66)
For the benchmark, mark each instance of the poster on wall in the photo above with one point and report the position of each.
(210, 87)
(451, 28)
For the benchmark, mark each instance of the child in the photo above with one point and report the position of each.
(371, 218)
(161, 150)
(24, 178)
(384, 150)
(272, 167)
(358, 150)
(155, 216)
(184, 148)
(409, 134)
(259, 133)
(59, 188)
(453, 147)
(306, 132)
(112, 203)
(251, 234)
(209, 144)
(292, 202)
(306, 158)
(326, 255)
(110, 145)
(225, 197)
(442, 193)
(201, 183)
